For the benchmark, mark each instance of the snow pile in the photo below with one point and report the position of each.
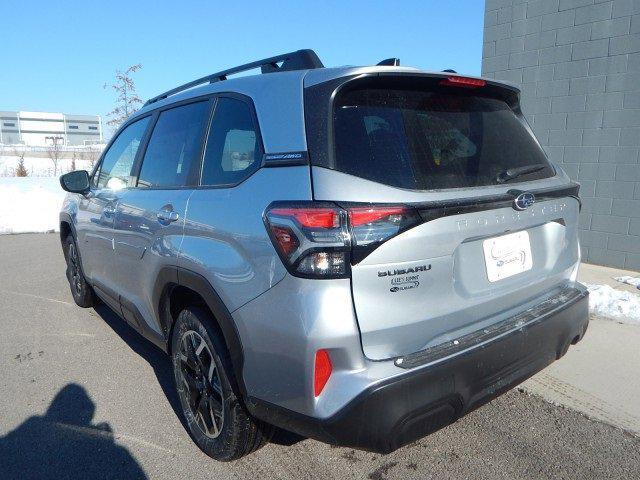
(29, 204)
(39, 166)
(633, 281)
(620, 305)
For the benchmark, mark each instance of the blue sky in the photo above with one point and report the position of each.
(57, 55)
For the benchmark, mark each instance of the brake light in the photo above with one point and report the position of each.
(322, 371)
(321, 239)
(311, 217)
(464, 82)
(373, 225)
(363, 215)
(310, 237)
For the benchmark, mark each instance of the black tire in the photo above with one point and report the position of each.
(229, 432)
(82, 293)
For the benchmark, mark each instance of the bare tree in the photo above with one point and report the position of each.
(74, 155)
(127, 100)
(15, 152)
(91, 155)
(20, 170)
(54, 152)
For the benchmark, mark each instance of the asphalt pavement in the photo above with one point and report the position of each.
(83, 396)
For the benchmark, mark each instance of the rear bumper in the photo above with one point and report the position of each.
(396, 412)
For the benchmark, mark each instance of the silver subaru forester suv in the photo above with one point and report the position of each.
(359, 255)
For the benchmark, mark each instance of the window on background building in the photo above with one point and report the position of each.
(93, 128)
(9, 124)
(73, 127)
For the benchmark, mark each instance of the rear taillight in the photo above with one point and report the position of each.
(372, 225)
(322, 240)
(311, 217)
(311, 238)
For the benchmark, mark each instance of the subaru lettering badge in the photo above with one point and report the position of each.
(524, 201)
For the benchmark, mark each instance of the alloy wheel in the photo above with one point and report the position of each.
(76, 277)
(202, 389)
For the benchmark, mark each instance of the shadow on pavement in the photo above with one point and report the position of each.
(158, 360)
(64, 444)
(161, 365)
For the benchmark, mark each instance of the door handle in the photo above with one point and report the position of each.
(109, 210)
(168, 216)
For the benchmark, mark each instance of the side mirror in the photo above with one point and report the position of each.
(75, 182)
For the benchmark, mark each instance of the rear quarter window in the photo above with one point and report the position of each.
(233, 150)
(432, 139)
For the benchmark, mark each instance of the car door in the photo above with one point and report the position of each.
(150, 217)
(97, 209)
(224, 237)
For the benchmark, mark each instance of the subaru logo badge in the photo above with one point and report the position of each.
(524, 201)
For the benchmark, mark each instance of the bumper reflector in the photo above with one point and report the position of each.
(322, 371)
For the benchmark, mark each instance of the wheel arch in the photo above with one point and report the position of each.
(178, 288)
(66, 227)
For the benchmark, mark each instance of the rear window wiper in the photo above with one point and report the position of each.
(511, 173)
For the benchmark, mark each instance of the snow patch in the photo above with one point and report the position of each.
(30, 204)
(40, 167)
(619, 305)
(633, 281)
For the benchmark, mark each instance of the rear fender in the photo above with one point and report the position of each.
(171, 276)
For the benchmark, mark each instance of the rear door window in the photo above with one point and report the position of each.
(425, 140)
(172, 158)
(233, 149)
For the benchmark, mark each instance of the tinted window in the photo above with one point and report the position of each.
(430, 140)
(172, 156)
(233, 149)
(116, 165)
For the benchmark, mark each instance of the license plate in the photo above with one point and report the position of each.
(507, 255)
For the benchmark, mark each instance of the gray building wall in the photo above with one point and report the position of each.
(9, 128)
(578, 65)
(82, 129)
(32, 128)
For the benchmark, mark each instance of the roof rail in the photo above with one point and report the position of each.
(389, 62)
(298, 60)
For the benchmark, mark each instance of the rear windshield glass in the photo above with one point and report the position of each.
(426, 140)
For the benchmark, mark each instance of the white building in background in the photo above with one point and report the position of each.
(41, 129)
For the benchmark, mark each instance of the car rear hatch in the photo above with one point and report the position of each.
(486, 226)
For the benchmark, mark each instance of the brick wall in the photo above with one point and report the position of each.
(578, 65)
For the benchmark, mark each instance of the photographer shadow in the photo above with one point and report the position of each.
(65, 444)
